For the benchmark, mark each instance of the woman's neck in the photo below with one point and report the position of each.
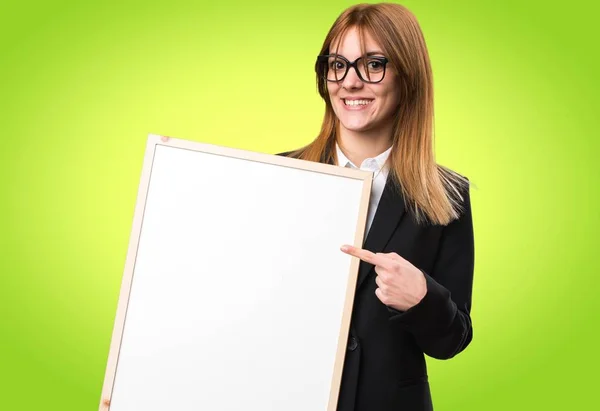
(358, 146)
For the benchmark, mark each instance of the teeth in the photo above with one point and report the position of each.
(356, 102)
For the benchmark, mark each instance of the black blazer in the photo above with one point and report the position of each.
(384, 368)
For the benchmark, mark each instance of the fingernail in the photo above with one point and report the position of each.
(344, 248)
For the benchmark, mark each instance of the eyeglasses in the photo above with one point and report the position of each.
(372, 70)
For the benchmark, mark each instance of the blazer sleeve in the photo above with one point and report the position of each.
(441, 322)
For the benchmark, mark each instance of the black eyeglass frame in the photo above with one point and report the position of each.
(349, 64)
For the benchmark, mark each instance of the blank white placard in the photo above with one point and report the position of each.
(235, 294)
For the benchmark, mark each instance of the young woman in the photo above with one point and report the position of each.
(413, 295)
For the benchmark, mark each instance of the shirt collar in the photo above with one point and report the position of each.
(345, 162)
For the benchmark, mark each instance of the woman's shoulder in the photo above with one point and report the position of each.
(453, 180)
(448, 172)
(458, 188)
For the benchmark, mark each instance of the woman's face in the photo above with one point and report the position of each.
(360, 106)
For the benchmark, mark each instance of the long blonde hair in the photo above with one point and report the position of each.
(433, 192)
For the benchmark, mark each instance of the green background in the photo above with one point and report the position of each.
(516, 111)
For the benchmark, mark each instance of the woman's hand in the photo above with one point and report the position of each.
(400, 284)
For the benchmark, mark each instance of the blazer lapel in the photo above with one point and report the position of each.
(387, 217)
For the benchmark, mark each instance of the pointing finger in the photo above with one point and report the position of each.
(365, 255)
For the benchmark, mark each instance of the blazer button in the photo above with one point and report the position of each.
(352, 344)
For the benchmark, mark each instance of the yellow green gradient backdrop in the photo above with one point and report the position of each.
(82, 85)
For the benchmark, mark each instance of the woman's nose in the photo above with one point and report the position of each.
(352, 81)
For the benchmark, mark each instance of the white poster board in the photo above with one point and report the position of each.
(235, 294)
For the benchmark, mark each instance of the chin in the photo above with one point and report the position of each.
(355, 123)
(356, 127)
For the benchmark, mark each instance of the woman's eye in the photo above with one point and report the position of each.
(375, 65)
(337, 65)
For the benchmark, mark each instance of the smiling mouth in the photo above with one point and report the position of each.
(354, 103)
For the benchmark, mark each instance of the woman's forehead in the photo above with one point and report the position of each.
(350, 42)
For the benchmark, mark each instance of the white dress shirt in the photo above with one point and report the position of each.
(380, 176)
